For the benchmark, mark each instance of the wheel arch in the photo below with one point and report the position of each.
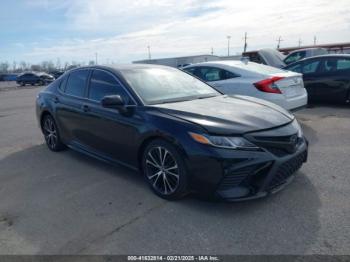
(43, 114)
(153, 137)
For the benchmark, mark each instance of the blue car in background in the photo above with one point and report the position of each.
(8, 77)
(34, 79)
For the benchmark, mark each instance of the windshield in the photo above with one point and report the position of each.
(165, 85)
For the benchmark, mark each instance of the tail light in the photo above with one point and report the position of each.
(268, 85)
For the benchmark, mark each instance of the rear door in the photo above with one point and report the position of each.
(70, 113)
(333, 78)
(311, 77)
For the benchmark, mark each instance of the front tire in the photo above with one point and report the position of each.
(164, 170)
(51, 134)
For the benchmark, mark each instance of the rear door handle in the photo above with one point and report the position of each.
(86, 108)
(56, 100)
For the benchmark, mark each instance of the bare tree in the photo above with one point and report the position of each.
(14, 66)
(58, 64)
(36, 68)
(4, 66)
(23, 66)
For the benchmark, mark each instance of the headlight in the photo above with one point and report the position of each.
(298, 127)
(224, 142)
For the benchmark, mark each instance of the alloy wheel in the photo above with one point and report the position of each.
(162, 170)
(50, 132)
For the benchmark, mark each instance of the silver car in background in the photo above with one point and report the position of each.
(284, 88)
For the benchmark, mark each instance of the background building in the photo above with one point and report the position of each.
(179, 61)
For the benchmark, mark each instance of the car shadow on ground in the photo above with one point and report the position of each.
(42, 191)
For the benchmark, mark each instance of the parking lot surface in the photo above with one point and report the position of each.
(68, 203)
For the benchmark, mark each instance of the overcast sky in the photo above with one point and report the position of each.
(121, 30)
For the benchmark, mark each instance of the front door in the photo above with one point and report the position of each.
(107, 131)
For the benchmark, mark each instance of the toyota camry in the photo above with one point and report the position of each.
(183, 135)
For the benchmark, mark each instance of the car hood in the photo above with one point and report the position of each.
(225, 115)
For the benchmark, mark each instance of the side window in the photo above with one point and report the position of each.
(104, 84)
(76, 83)
(295, 68)
(295, 57)
(190, 70)
(292, 58)
(343, 64)
(227, 75)
(310, 66)
(215, 74)
(211, 74)
(63, 83)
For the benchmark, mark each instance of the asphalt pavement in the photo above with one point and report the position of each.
(68, 203)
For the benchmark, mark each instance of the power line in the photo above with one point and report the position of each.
(228, 45)
(245, 43)
(149, 52)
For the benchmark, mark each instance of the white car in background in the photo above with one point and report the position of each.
(284, 88)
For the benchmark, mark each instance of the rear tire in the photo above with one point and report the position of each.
(164, 170)
(51, 134)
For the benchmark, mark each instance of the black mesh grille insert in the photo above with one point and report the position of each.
(236, 177)
(286, 170)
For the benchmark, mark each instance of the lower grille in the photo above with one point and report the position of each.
(234, 178)
(286, 170)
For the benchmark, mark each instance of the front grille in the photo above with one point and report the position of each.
(278, 145)
(286, 170)
(274, 138)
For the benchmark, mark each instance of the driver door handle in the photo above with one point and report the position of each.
(86, 108)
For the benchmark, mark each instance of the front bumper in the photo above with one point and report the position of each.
(256, 181)
(234, 175)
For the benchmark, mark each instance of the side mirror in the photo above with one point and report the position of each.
(113, 101)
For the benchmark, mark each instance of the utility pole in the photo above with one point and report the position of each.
(212, 51)
(315, 39)
(96, 58)
(228, 45)
(245, 43)
(279, 40)
(299, 42)
(149, 52)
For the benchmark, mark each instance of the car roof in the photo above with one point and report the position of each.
(319, 56)
(219, 62)
(306, 49)
(246, 68)
(118, 67)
